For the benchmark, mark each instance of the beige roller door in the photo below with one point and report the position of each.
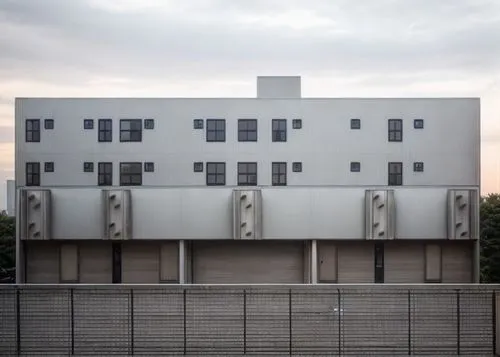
(140, 262)
(95, 262)
(230, 262)
(404, 262)
(42, 262)
(356, 262)
(457, 262)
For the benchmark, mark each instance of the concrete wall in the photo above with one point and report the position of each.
(448, 145)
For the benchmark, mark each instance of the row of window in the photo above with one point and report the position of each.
(131, 172)
(131, 129)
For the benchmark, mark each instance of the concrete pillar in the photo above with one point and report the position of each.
(314, 262)
(182, 262)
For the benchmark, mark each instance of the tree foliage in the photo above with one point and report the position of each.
(490, 238)
(7, 241)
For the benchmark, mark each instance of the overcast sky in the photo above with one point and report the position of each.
(212, 48)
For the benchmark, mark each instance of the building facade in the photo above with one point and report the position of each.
(273, 189)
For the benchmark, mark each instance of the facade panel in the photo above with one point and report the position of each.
(356, 262)
(42, 262)
(95, 262)
(404, 262)
(457, 261)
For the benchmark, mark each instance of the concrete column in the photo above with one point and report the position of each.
(476, 258)
(314, 262)
(497, 324)
(182, 262)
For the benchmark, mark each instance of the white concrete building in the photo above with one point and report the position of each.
(273, 189)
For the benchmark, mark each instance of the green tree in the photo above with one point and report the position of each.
(7, 241)
(490, 238)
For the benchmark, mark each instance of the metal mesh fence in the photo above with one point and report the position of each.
(252, 320)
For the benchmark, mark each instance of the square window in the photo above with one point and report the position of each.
(88, 167)
(32, 130)
(88, 124)
(149, 167)
(418, 166)
(297, 123)
(216, 130)
(49, 167)
(130, 130)
(198, 167)
(355, 166)
(130, 174)
(247, 173)
(418, 123)
(395, 129)
(297, 167)
(247, 129)
(149, 124)
(355, 123)
(49, 124)
(198, 123)
(279, 130)
(216, 173)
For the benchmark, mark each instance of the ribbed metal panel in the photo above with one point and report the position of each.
(42, 262)
(158, 322)
(404, 262)
(356, 262)
(140, 262)
(102, 322)
(228, 262)
(45, 320)
(95, 262)
(457, 262)
(8, 322)
(476, 321)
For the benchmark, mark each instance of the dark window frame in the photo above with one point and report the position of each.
(198, 124)
(105, 174)
(48, 124)
(216, 174)
(219, 135)
(32, 134)
(278, 171)
(244, 169)
(149, 166)
(418, 166)
(395, 178)
(130, 175)
(149, 124)
(88, 124)
(137, 131)
(356, 124)
(48, 166)
(198, 166)
(395, 130)
(418, 123)
(279, 130)
(355, 166)
(379, 263)
(32, 173)
(105, 129)
(88, 166)
(297, 166)
(245, 132)
(296, 123)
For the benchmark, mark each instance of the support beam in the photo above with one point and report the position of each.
(182, 262)
(314, 261)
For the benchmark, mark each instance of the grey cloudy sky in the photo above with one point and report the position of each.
(215, 48)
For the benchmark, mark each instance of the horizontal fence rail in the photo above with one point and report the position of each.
(305, 320)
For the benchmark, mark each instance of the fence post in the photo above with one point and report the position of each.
(131, 307)
(244, 321)
(458, 321)
(72, 307)
(290, 318)
(495, 322)
(18, 322)
(409, 322)
(340, 321)
(185, 326)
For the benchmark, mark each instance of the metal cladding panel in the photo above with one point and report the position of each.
(220, 262)
(169, 262)
(404, 262)
(247, 214)
(380, 214)
(140, 262)
(95, 262)
(356, 262)
(433, 263)
(327, 261)
(69, 262)
(457, 262)
(117, 206)
(36, 214)
(42, 262)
